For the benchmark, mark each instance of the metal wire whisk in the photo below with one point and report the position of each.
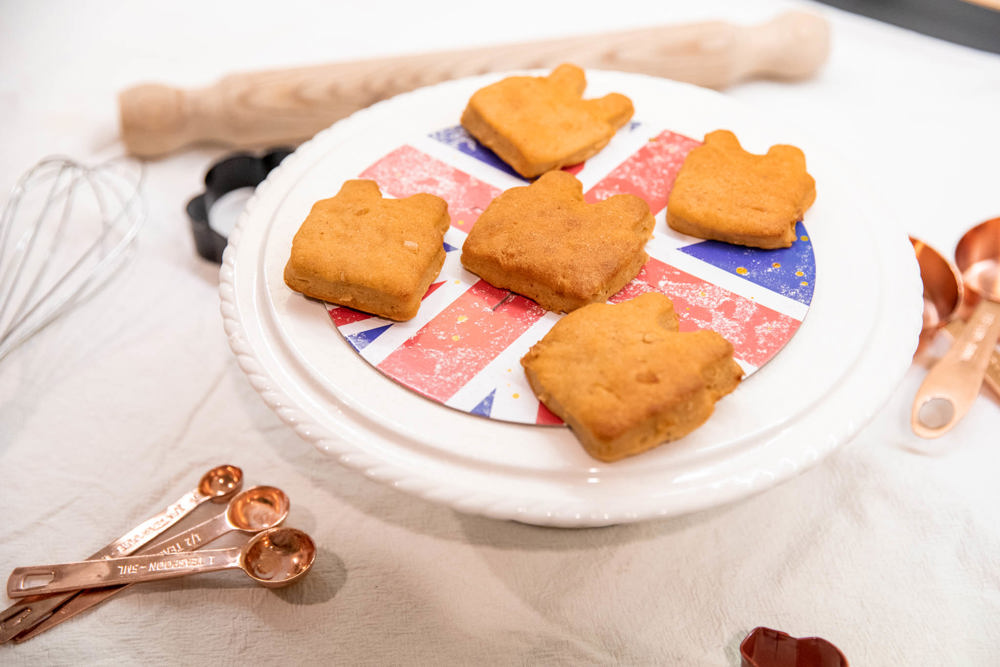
(64, 229)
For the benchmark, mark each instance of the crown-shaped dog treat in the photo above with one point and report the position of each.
(378, 255)
(545, 242)
(726, 194)
(536, 124)
(625, 380)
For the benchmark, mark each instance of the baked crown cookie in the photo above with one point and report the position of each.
(545, 242)
(360, 250)
(537, 124)
(625, 380)
(726, 194)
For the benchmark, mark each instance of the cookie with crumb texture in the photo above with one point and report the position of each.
(545, 242)
(625, 380)
(537, 124)
(724, 193)
(374, 254)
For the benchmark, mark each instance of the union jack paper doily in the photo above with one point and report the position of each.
(824, 348)
(464, 346)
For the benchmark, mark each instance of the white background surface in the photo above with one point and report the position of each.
(117, 409)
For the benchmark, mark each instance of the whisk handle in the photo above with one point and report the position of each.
(255, 109)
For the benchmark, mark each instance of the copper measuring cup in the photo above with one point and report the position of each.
(953, 383)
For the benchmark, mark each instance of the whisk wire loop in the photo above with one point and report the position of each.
(51, 260)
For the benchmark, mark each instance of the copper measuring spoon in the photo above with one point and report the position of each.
(943, 304)
(276, 557)
(217, 485)
(249, 511)
(952, 385)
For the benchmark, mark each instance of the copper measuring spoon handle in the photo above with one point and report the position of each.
(66, 577)
(953, 384)
(217, 484)
(992, 379)
(272, 558)
(250, 511)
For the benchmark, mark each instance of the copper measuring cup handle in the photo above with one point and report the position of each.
(952, 385)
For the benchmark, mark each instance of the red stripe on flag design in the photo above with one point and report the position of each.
(756, 331)
(460, 341)
(342, 315)
(648, 173)
(546, 416)
(407, 171)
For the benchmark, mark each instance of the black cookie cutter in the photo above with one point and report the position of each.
(236, 171)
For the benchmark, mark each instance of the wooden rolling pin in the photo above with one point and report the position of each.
(256, 109)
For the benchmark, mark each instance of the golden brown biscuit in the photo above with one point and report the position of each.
(545, 242)
(537, 124)
(727, 194)
(373, 254)
(625, 380)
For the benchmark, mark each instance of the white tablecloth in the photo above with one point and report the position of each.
(890, 553)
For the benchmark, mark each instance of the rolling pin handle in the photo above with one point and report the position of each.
(154, 119)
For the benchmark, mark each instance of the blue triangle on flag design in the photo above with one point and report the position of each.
(485, 406)
(790, 272)
(458, 138)
(362, 339)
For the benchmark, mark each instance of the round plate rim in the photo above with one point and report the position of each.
(828, 431)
